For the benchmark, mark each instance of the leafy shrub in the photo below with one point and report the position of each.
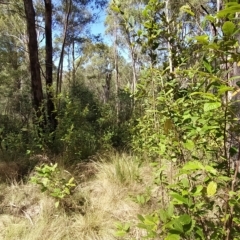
(49, 178)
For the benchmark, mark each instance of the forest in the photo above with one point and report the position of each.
(132, 133)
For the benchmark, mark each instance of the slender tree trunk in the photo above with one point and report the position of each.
(34, 61)
(49, 65)
(106, 87)
(60, 65)
(170, 61)
(134, 84)
(116, 72)
(73, 65)
(219, 3)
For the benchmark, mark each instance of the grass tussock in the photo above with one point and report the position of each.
(102, 198)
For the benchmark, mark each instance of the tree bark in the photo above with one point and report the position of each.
(34, 61)
(116, 71)
(60, 65)
(169, 45)
(49, 65)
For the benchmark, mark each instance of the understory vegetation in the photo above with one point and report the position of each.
(137, 138)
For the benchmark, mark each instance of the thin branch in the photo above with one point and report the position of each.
(212, 24)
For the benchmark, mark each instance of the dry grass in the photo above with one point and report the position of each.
(105, 197)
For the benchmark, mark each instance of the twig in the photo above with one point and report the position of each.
(27, 216)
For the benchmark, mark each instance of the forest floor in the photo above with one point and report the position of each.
(111, 188)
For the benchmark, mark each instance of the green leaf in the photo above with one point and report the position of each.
(45, 181)
(185, 219)
(207, 66)
(228, 28)
(179, 198)
(150, 220)
(139, 33)
(200, 233)
(210, 18)
(187, 9)
(71, 180)
(198, 190)
(185, 182)
(176, 225)
(202, 39)
(162, 148)
(67, 191)
(211, 106)
(126, 227)
(232, 9)
(120, 233)
(224, 178)
(163, 215)
(211, 189)
(193, 165)
(172, 237)
(170, 210)
(140, 217)
(223, 89)
(211, 170)
(115, 8)
(189, 145)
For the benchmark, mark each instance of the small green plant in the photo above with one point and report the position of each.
(50, 179)
(122, 229)
(143, 198)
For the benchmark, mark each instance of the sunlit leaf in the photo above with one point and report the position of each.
(211, 106)
(185, 219)
(228, 28)
(189, 145)
(172, 237)
(187, 9)
(207, 66)
(179, 198)
(202, 39)
(193, 165)
(211, 189)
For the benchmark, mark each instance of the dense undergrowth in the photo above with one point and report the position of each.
(105, 196)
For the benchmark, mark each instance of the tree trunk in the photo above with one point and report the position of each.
(169, 45)
(60, 65)
(49, 65)
(106, 87)
(73, 64)
(34, 61)
(116, 71)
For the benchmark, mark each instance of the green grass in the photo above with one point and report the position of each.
(104, 196)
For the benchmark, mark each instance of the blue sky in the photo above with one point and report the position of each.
(99, 27)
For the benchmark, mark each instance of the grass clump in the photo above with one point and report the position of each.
(92, 210)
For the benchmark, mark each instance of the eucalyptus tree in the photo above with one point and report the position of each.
(35, 68)
(51, 113)
(97, 70)
(34, 59)
(124, 32)
(72, 31)
(13, 57)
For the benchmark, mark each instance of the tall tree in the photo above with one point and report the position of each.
(33, 57)
(61, 59)
(49, 65)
